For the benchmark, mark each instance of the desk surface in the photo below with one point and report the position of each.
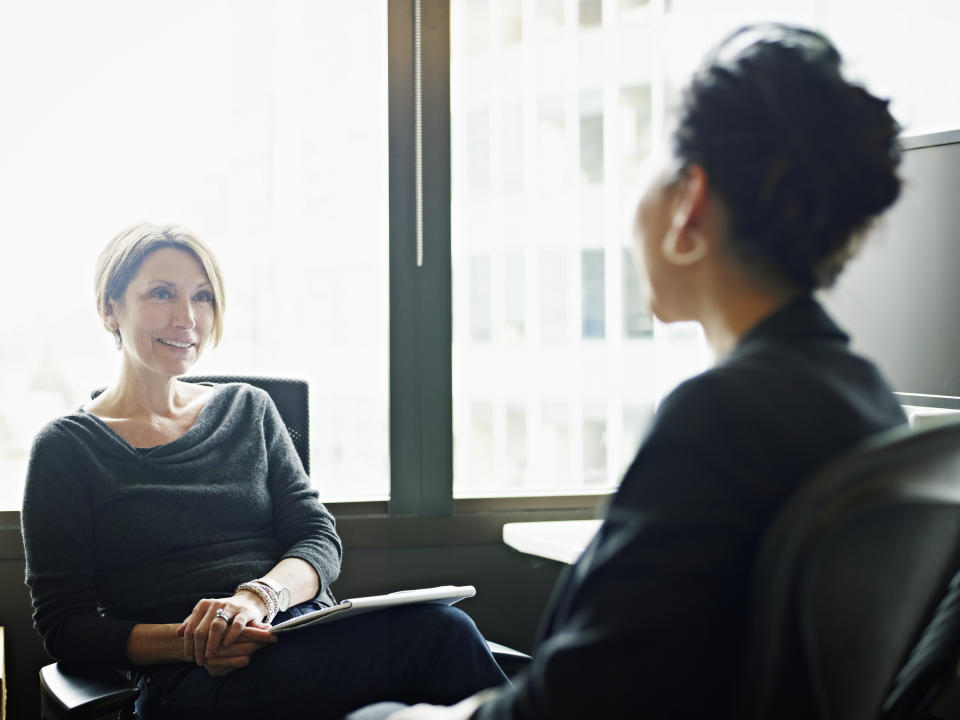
(562, 540)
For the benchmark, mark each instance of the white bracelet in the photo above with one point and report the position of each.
(264, 593)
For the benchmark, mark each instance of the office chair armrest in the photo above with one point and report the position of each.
(87, 692)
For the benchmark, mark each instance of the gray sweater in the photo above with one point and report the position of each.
(117, 535)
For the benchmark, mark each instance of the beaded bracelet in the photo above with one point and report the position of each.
(265, 593)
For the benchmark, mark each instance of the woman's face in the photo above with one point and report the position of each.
(166, 314)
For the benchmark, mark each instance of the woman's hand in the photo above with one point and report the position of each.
(237, 655)
(433, 712)
(222, 634)
(463, 710)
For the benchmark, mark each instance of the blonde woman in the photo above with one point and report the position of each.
(166, 524)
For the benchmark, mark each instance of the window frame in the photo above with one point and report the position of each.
(420, 344)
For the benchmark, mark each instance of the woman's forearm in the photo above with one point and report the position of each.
(298, 576)
(150, 644)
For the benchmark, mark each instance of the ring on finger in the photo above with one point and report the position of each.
(223, 615)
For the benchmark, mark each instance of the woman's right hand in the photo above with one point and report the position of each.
(223, 633)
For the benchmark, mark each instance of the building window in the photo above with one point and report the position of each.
(591, 137)
(481, 314)
(554, 296)
(512, 21)
(636, 116)
(591, 13)
(550, 13)
(637, 320)
(593, 295)
(514, 301)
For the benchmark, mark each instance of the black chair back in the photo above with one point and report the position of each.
(292, 398)
(931, 665)
(854, 579)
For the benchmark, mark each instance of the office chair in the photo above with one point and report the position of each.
(856, 610)
(71, 692)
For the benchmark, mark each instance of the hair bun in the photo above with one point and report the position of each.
(802, 158)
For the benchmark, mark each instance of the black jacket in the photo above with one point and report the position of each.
(650, 621)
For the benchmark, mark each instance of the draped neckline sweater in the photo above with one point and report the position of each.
(116, 535)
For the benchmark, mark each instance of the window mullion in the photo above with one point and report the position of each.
(421, 431)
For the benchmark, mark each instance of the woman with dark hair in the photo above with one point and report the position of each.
(778, 165)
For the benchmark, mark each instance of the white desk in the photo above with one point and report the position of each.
(562, 540)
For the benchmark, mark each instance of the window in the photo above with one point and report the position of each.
(553, 109)
(591, 137)
(593, 294)
(512, 11)
(637, 320)
(599, 82)
(635, 131)
(514, 301)
(558, 370)
(550, 13)
(591, 13)
(481, 321)
(119, 112)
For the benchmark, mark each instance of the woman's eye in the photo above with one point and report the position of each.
(204, 296)
(161, 293)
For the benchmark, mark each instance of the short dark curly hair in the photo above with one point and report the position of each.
(802, 158)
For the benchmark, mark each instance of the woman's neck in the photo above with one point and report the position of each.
(144, 394)
(735, 308)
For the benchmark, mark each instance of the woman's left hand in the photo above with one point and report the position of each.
(205, 631)
(432, 712)
(463, 710)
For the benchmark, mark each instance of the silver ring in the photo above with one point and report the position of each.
(224, 615)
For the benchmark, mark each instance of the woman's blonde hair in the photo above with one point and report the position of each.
(123, 256)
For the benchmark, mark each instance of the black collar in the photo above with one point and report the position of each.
(802, 319)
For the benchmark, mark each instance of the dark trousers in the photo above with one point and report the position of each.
(416, 653)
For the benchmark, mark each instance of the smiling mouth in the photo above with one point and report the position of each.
(174, 343)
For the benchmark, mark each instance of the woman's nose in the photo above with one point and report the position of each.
(183, 315)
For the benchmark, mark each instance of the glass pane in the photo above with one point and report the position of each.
(219, 118)
(551, 143)
(554, 116)
(637, 320)
(591, 137)
(553, 295)
(628, 6)
(552, 338)
(481, 443)
(550, 13)
(635, 126)
(514, 301)
(594, 445)
(481, 320)
(511, 11)
(516, 445)
(591, 12)
(553, 446)
(593, 288)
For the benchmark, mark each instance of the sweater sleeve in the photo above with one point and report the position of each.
(57, 534)
(304, 526)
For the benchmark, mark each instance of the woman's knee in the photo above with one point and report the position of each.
(450, 621)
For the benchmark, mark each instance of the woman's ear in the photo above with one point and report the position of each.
(684, 243)
(110, 316)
